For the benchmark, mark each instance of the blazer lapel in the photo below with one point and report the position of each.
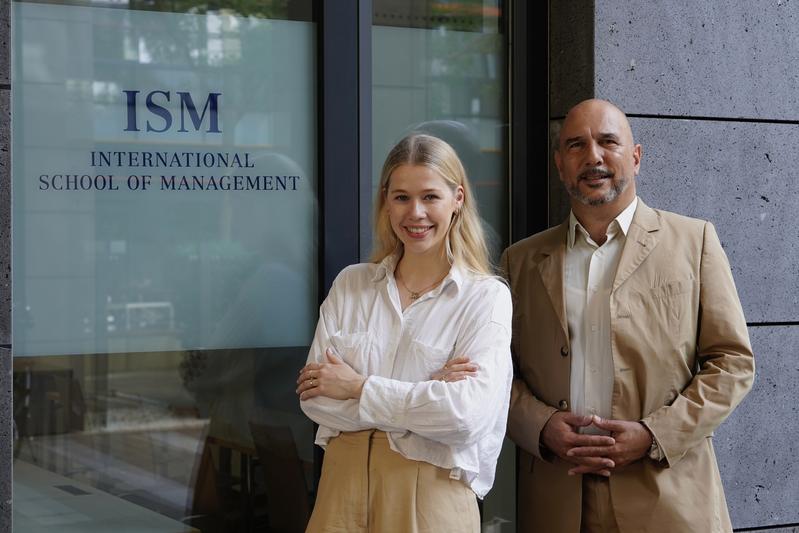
(549, 261)
(641, 240)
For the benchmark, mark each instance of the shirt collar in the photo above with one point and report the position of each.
(385, 270)
(622, 221)
(385, 267)
(625, 218)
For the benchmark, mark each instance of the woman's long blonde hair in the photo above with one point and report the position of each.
(466, 246)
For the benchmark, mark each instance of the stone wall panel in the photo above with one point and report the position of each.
(719, 59)
(742, 177)
(757, 446)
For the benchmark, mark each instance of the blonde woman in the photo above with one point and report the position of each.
(409, 373)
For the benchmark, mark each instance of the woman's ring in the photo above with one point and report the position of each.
(313, 383)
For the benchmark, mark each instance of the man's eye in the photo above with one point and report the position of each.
(574, 146)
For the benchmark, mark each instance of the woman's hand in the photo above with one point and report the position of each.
(332, 379)
(456, 369)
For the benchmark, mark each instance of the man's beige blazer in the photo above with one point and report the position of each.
(682, 362)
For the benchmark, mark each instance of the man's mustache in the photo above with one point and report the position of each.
(595, 172)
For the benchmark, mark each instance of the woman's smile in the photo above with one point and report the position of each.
(418, 232)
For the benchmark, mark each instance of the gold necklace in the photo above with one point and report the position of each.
(415, 295)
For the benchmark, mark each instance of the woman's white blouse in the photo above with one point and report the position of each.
(458, 426)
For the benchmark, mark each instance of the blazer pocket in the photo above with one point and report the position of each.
(670, 289)
(668, 302)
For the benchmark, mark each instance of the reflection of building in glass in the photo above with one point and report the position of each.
(141, 316)
(168, 98)
(440, 65)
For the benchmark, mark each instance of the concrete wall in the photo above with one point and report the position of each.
(712, 89)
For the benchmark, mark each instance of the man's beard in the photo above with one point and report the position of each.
(617, 186)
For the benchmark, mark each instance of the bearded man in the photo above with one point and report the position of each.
(630, 348)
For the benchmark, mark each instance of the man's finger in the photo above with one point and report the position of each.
(588, 470)
(591, 440)
(577, 420)
(592, 463)
(608, 424)
(591, 451)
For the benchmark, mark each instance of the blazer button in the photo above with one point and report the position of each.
(564, 351)
(563, 405)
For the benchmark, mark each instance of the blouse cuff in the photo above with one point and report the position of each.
(382, 401)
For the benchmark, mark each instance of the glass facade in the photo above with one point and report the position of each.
(165, 244)
(164, 263)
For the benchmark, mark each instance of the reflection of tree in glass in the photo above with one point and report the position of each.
(463, 68)
(269, 9)
(212, 40)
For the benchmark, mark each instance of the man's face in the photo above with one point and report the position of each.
(596, 159)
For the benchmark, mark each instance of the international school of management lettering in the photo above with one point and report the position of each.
(172, 182)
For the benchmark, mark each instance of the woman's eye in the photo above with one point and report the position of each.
(401, 197)
(431, 197)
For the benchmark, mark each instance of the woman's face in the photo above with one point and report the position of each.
(420, 204)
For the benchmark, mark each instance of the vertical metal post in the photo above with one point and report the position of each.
(529, 118)
(343, 146)
(365, 123)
